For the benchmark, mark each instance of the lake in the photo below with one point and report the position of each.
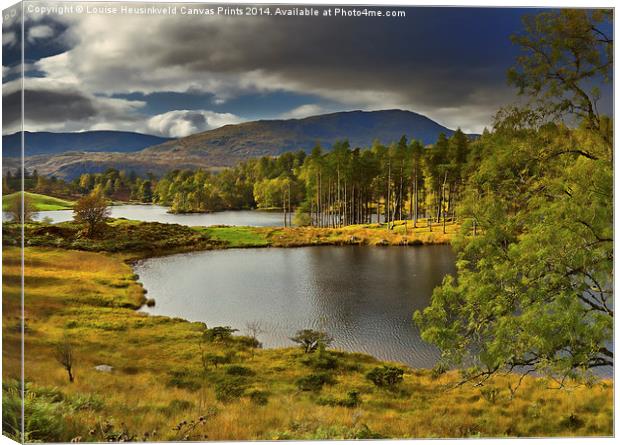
(363, 296)
(156, 213)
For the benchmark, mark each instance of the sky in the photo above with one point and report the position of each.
(175, 75)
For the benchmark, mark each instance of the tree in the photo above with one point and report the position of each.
(65, 355)
(21, 208)
(535, 286)
(564, 54)
(91, 210)
(311, 340)
(254, 329)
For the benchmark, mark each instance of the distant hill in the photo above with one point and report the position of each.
(228, 145)
(39, 143)
(231, 143)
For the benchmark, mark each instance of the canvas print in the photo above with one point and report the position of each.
(233, 221)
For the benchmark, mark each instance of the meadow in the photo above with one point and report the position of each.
(173, 380)
(39, 202)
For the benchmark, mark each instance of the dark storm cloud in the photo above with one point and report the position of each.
(437, 55)
(448, 63)
(52, 106)
(40, 106)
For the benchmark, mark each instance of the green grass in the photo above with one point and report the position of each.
(39, 202)
(236, 236)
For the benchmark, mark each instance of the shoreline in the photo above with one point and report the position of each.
(95, 297)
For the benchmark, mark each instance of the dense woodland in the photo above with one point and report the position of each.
(343, 186)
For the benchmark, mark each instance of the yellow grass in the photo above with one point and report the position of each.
(90, 297)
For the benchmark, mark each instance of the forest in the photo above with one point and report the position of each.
(344, 186)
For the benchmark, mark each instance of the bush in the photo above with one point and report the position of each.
(350, 401)
(216, 359)
(324, 360)
(240, 371)
(572, 422)
(183, 379)
(314, 382)
(44, 416)
(229, 390)
(259, 397)
(386, 376)
(438, 370)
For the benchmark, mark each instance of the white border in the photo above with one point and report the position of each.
(480, 3)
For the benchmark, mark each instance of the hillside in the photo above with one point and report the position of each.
(230, 144)
(274, 137)
(39, 202)
(46, 143)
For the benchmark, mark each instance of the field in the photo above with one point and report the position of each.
(171, 382)
(39, 202)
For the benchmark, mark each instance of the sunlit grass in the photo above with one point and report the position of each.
(158, 379)
(39, 202)
(235, 236)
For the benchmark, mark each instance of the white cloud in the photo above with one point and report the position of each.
(303, 111)
(180, 123)
(39, 32)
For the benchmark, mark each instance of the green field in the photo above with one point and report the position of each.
(39, 202)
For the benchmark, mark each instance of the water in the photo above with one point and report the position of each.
(156, 213)
(363, 296)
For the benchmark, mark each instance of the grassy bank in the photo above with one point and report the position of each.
(39, 202)
(160, 388)
(151, 238)
(158, 379)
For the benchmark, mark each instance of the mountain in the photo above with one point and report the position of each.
(46, 143)
(230, 144)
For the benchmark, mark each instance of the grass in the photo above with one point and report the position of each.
(39, 202)
(159, 389)
(235, 236)
(151, 238)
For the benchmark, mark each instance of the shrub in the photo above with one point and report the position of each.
(572, 422)
(386, 376)
(216, 359)
(259, 397)
(229, 390)
(183, 379)
(314, 382)
(44, 416)
(176, 406)
(239, 371)
(324, 360)
(350, 401)
(438, 370)
(311, 340)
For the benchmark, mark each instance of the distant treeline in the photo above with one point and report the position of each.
(343, 186)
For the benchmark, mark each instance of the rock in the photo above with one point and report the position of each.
(104, 368)
(150, 302)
